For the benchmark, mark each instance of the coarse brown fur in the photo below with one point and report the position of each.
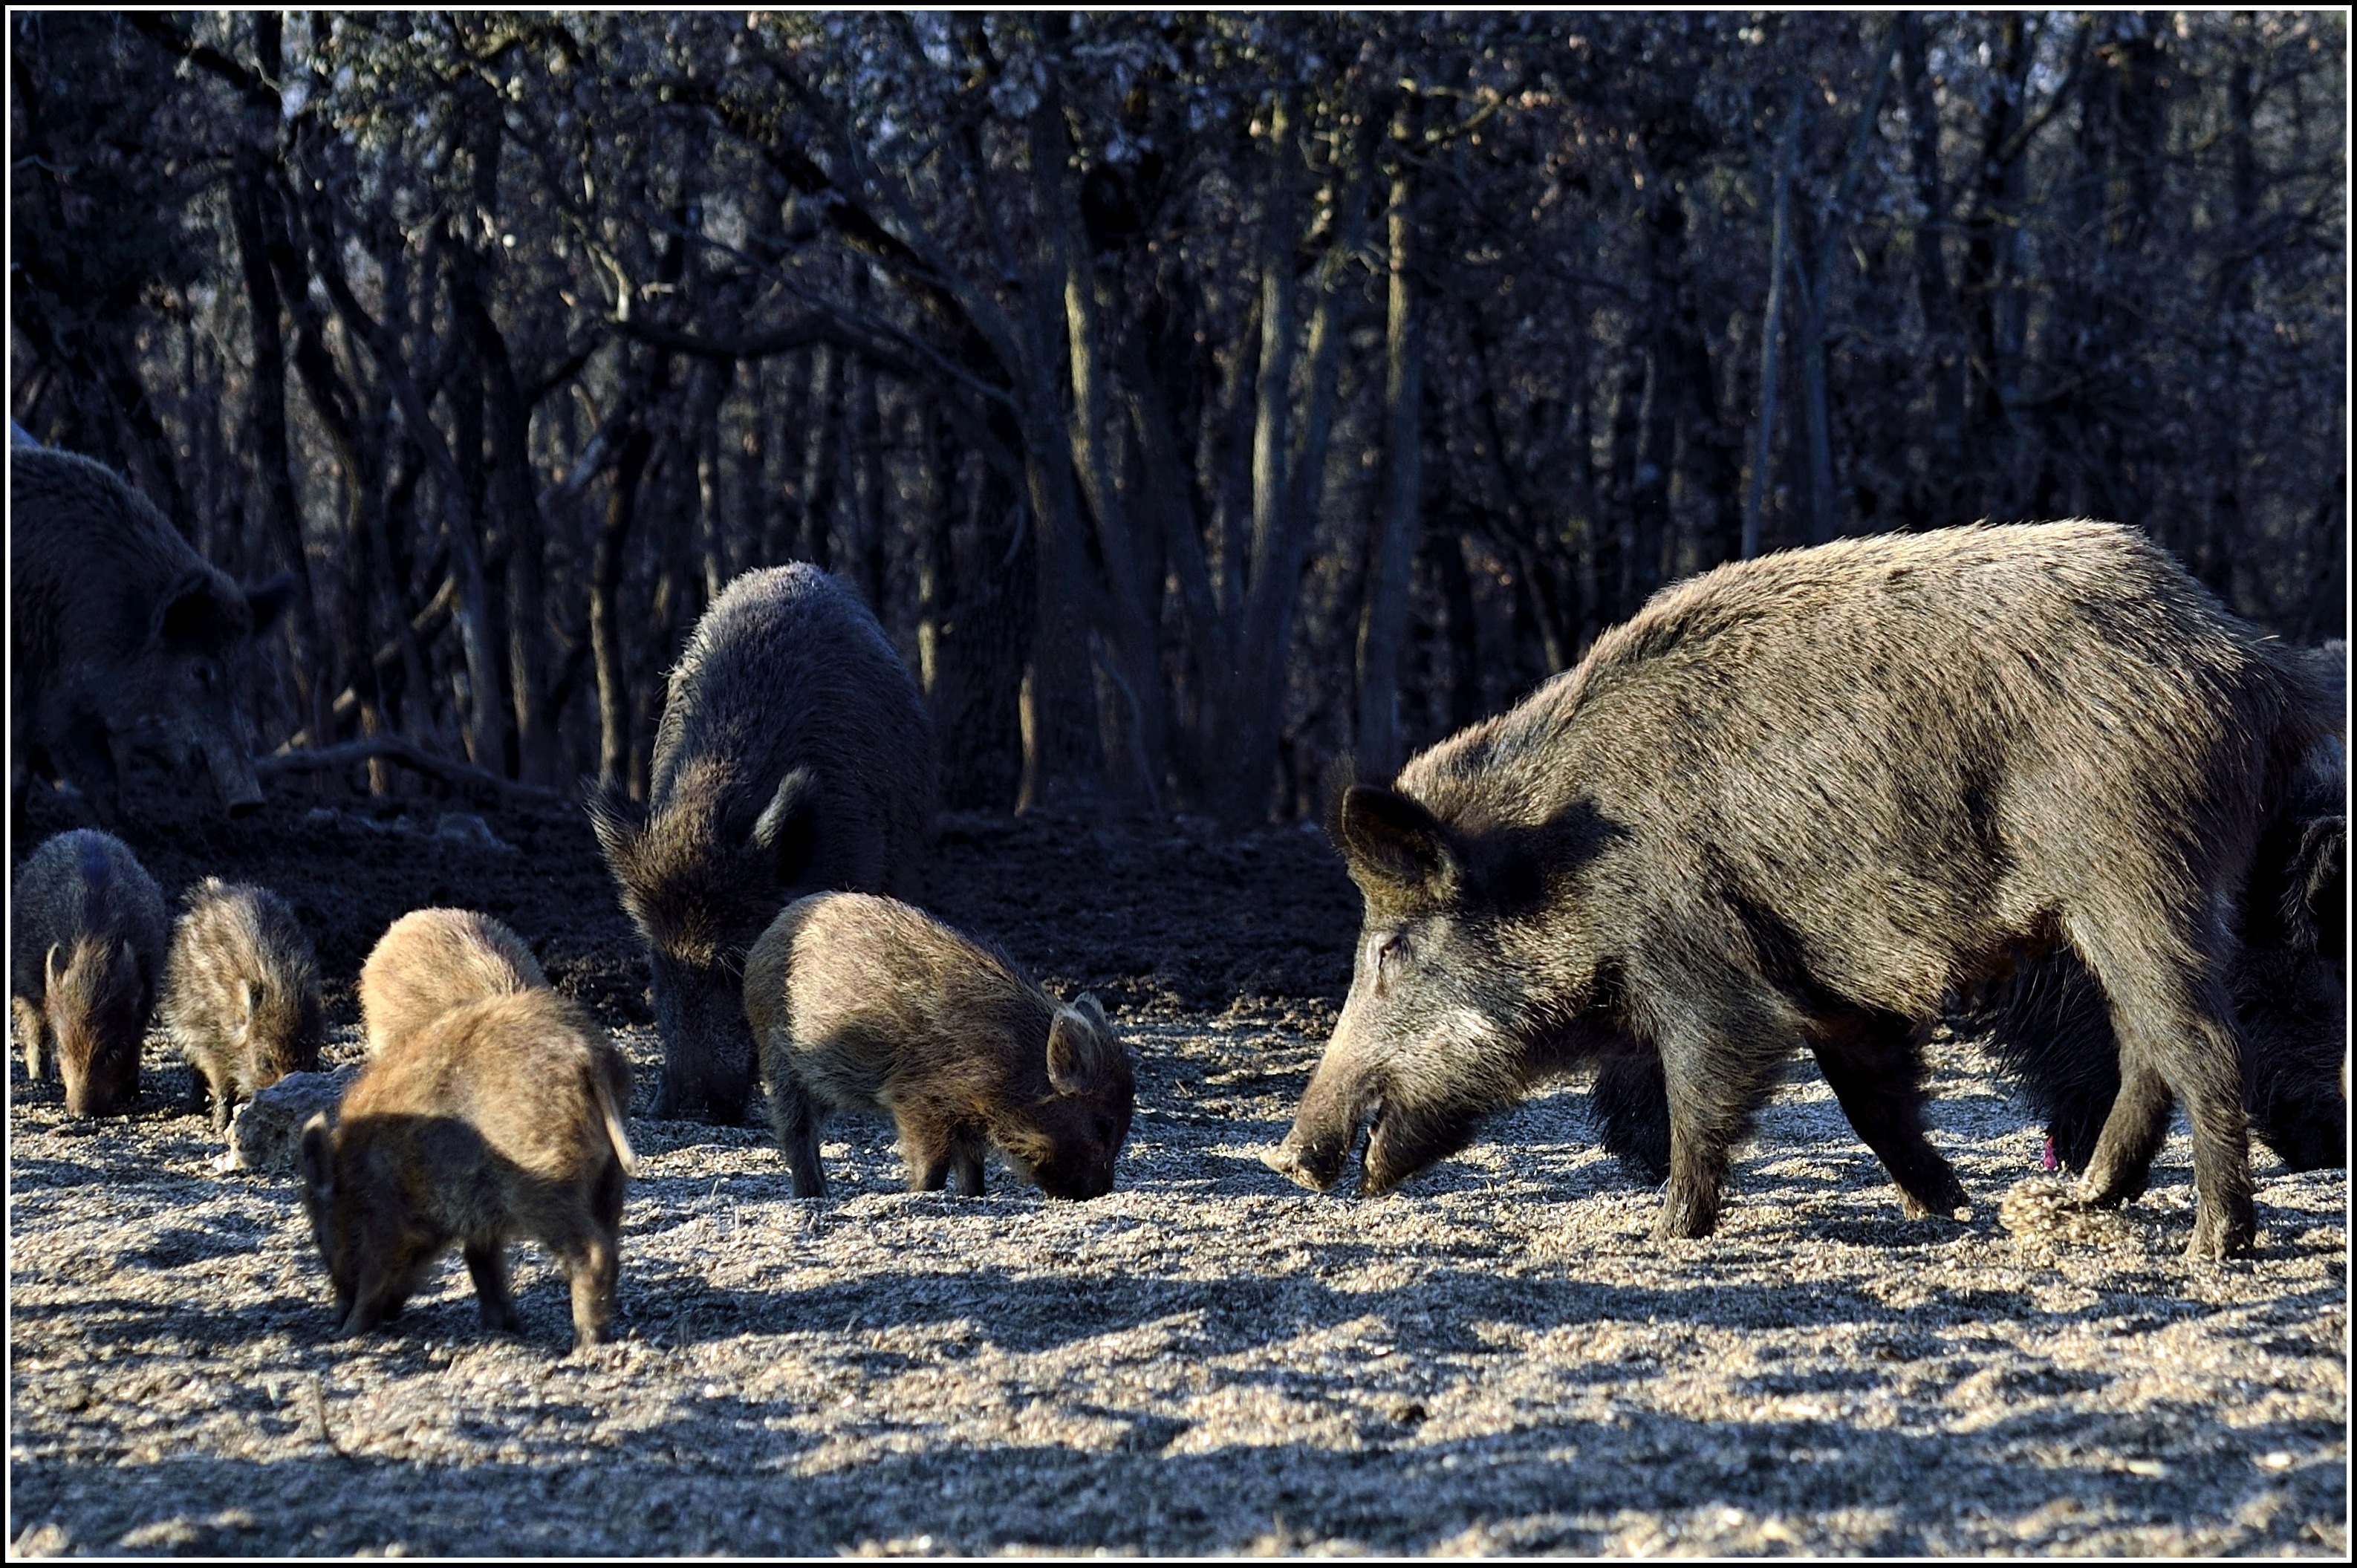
(241, 995)
(862, 1003)
(431, 960)
(87, 959)
(123, 639)
(499, 1120)
(1800, 801)
(795, 754)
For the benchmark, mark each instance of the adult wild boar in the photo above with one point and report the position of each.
(88, 935)
(861, 1003)
(794, 756)
(124, 639)
(1802, 800)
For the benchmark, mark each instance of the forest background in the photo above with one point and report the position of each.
(1196, 399)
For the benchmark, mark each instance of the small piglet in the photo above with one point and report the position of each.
(859, 1001)
(500, 1119)
(431, 960)
(85, 962)
(241, 995)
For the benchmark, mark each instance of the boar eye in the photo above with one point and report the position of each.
(1388, 956)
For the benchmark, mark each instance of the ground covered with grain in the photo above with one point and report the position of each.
(1498, 1359)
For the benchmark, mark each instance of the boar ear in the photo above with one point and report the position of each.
(1087, 1005)
(248, 994)
(49, 966)
(787, 826)
(269, 600)
(190, 616)
(616, 819)
(1395, 847)
(1075, 1053)
(317, 1157)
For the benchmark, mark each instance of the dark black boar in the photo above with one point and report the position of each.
(123, 639)
(498, 1119)
(241, 995)
(860, 1003)
(794, 756)
(89, 931)
(1805, 800)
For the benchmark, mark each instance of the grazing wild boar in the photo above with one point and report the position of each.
(861, 1003)
(794, 756)
(123, 639)
(241, 995)
(500, 1119)
(431, 960)
(90, 932)
(1804, 801)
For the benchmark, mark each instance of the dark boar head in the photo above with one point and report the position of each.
(353, 1192)
(1066, 1144)
(92, 1000)
(1448, 1019)
(183, 701)
(701, 890)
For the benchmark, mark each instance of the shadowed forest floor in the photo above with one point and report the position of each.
(1497, 1359)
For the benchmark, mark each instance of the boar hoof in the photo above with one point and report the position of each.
(2215, 1239)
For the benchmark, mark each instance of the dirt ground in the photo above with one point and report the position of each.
(1498, 1359)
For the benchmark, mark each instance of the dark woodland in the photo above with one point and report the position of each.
(1195, 400)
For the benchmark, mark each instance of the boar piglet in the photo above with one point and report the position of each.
(862, 1003)
(499, 1120)
(1802, 801)
(431, 960)
(123, 639)
(794, 756)
(90, 930)
(241, 995)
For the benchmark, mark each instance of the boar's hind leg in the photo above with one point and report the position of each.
(1874, 1067)
(2176, 1033)
(594, 1267)
(29, 1027)
(796, 1121)
(925, 1145)
(488, 1262)
(1718, 1059)
(966, 1164)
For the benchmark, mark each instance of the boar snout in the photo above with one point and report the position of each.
(1324, 1131)
(233, 780)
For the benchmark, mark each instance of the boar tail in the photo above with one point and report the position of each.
(612, 1115)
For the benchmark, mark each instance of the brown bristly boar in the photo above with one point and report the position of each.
(431, 960)
(1799, 801)
(241, 995)
(862, 1003)
(121, 638)
(89, 934)
(795, 754)
(499, 1120)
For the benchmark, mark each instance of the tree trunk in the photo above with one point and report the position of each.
(1391, 559)
(1771, 327)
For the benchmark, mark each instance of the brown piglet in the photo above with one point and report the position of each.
(862, 1003)
(241, 995)
(431, 960)
(499, 1120)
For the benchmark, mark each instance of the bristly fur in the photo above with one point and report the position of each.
(241, 993)
(795, 754)
(122, 636)
(431, 960)
(1802, 800)
(85, 913)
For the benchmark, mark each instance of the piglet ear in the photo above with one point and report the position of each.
(317, 1157)
(1087, 1005)
(787, 826)
(1075, 1051)
(1398, 853)
(269, 600)
(49, 966)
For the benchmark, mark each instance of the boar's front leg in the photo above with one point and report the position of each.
(594, 1268)
(488, 1262)
(1874, 1067)
(965, 1162)
(1718, 1056)
(926, 1143)
(1630, 1108)
(796, 1121)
